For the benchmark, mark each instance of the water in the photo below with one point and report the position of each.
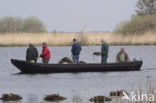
(75, 86)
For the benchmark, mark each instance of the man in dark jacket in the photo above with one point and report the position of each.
(45, 53)
(31, 54)
(76, 48)
(104, 51)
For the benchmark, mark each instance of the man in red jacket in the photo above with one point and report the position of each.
(45, 53)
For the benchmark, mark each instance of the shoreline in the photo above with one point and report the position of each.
(26, 45)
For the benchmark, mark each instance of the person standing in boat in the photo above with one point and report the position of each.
(76, 48)
(104, 51)
(45, 53)
(31, 54)
(122, 56)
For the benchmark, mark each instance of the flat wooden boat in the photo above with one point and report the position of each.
(28, 67)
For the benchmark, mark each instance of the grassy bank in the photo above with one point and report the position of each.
(65, 39)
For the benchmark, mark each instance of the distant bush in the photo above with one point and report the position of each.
(18, 24)
(137, 25)
(11, 24)
(33, 25)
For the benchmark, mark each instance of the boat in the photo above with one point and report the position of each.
(28, 67)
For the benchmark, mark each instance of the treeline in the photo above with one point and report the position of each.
(143, 21)
(17, 24)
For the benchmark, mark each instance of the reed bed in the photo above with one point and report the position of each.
(65, 39)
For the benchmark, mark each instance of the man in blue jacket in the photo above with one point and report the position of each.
(76, 48)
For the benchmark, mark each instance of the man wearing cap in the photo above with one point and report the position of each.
(104, 51)
(76, 48)
(45, 53)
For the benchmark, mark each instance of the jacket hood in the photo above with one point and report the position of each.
(30, 45)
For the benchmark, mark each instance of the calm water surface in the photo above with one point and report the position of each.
(75, 86)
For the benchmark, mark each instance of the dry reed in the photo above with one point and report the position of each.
(65, 39)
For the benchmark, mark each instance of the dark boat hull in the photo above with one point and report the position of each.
(28, 67)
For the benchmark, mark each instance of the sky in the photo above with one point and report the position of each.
(72, 15)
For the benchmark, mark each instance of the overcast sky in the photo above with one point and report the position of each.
(72, 15)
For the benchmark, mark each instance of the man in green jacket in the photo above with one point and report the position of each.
(122, 56)
(104, 51)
